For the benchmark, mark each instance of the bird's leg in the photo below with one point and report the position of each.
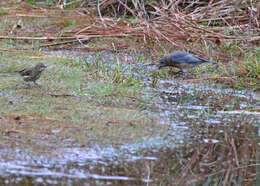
(28, 85)
(216, 66)
(179, 72)
(172, 72)
(37, 84)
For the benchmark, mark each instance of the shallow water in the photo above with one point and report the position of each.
(192, 113)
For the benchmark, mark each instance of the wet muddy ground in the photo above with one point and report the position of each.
(113, 119)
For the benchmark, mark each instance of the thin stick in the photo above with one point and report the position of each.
(100, 15)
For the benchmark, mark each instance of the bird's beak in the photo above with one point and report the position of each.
(161, 65)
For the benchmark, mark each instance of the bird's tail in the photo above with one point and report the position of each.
(18, 71)
(208, 61)
(213, 62)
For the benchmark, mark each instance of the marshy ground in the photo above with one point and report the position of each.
(111, 117)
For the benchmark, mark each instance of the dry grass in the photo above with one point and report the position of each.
(194, 21)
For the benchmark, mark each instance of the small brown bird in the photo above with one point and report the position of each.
(33, 73)
(182, 60)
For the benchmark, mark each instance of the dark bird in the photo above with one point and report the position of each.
(33, 73)
(182, 60)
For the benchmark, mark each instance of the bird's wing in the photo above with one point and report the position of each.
(188, 58)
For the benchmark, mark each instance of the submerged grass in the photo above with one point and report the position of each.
(91, 100)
